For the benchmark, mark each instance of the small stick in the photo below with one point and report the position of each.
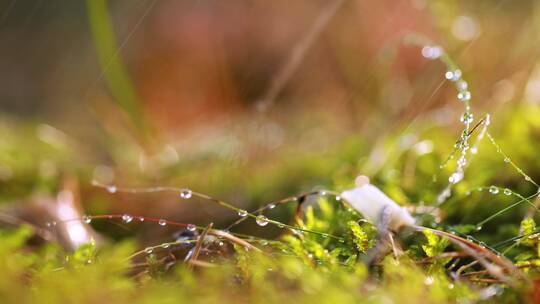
(533, 209)
(394, 248)
(234, 239)
(491, 281)
(464, 267)
(479, 253)
(481, 272)
(198, 246)
(201, 263)
(444, 255)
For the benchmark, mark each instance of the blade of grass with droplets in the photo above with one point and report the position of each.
(498, 213)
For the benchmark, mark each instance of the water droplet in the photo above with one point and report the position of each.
(261, 220)
(527, 178)
(191, 227)
(467, 118)
(453, 75)
(323, 193)
(242, 213)
(296, 232)
(464, 96)
(338, 198)
(451, 286)
(111, 189)
(271, 206)
(126, 218)
(162, 222)
(493, 190)
(50, 224)
(462, 85)
(455, 177)
(478, 228)
(507, 191)
(341, 240)
(186, 193)
(148, 250)
(86, 219)
(280, 225)
(221, 244)
(324, 235)
(165, 245)
(474, 150)
(429, 280)
(432, 52)
(444, 195)
(141, 218)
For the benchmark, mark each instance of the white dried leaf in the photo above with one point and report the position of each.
(370, 202)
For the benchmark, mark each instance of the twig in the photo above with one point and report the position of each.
(198, 246)
(465, 267)
(444, 255)
(480, 254)
(490, 281)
